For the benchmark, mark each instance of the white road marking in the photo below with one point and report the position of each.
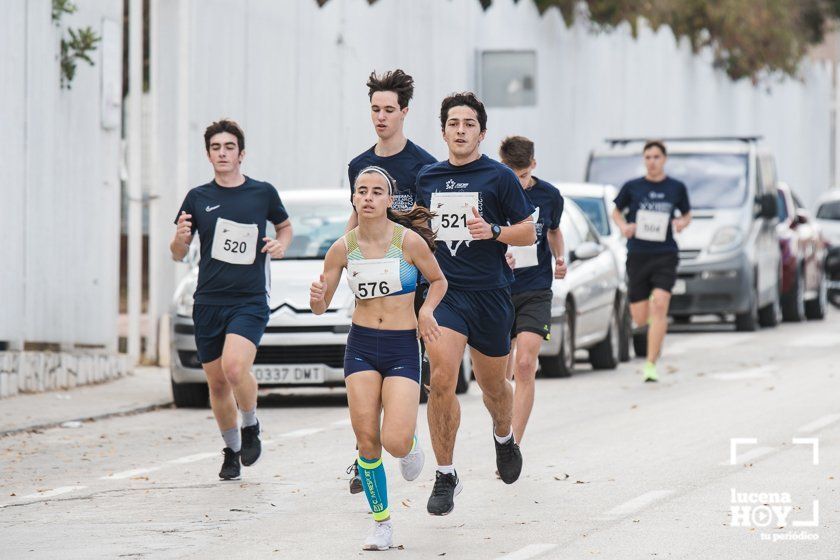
(130, 473)
(814, 341)
(638, 503)
(341, 423)
(192, 458)
(754, 453)
(46, 494)
(530, 551)
(302, 433)
(760, 372)
(819, 424)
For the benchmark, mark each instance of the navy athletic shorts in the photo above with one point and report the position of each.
(389, 352)
(214, 322)
(485, 317)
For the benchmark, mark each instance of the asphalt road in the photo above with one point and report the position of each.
(614, 468)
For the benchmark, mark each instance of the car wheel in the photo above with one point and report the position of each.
(190, 395)
(815, 308)
(604, 355)
(748, 321)
(626, 333)
(562, 364)
(793, 303)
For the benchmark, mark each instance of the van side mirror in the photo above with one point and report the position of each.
(768, 206)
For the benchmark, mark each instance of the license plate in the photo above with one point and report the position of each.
(679, 288)
(289, 374)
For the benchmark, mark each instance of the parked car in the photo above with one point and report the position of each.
(299, 348)
(729, 255)
(804, 291)
(828, 218)
(587, 304)
(596, 202)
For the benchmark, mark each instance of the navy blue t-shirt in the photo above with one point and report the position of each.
(252, 202)
(549, 204)
(403, 167)
(666, 196)
(478, 264)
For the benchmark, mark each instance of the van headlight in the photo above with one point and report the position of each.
(184, 303)
(726, 239)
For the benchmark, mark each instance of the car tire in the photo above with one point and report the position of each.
(748, 321)
(815, 308)
(771, 315)
(793, 302)
(626, 336)
(190, 395)
(605, 354)
(562, 364)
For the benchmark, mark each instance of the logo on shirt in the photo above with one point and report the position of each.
(211, 208)
(451, 185)
(656, 195)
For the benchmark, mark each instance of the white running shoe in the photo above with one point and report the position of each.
(381, 537)
(412, 464)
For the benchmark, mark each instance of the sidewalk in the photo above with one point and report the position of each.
(147, 388)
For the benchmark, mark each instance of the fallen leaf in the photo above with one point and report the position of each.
(406, 503)
(581, 482)
(563, 476)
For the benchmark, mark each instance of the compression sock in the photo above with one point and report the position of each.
(372, 473)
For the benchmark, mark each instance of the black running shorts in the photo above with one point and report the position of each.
(646, 271)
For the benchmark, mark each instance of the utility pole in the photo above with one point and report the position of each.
(135, 178)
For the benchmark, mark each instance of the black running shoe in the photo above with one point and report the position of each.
(251, 446)
(230, 466)
(356, 481)
(442, 500)
(508, 460)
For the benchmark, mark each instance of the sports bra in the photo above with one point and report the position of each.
(407, 272)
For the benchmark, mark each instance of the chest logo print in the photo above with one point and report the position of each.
(211, 208)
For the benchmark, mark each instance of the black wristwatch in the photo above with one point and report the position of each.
(496, 229)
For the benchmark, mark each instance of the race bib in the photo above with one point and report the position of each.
(235, 243)
(524, 256)
(373, 278)
(453, 210)
(652, 226)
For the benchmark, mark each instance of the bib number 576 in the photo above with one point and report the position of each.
(370, 288)
(235, 246)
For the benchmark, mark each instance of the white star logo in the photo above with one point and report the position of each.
(450, 184)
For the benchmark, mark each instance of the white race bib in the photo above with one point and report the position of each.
(524, 256)
(372, 278)
(652, 226)
(235, 243)
(453, 210)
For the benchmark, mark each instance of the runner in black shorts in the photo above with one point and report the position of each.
(231, 300)
(472, 197)
(652, 254)
(531, 290)
(389, 94)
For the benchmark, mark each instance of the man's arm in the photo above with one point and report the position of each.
(627, 230)
(558, 249)
(180, 244)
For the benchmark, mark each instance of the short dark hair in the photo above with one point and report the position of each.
(655, 144)
(517, 152)
(394, 80)
(224, 125)
(468, 99)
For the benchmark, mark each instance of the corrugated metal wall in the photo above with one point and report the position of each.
(59, 198)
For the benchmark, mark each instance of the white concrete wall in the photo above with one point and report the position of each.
(59, 198)
(293, 75)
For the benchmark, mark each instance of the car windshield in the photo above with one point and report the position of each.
(713, 180)
(316, 225)
(596, 211)
(829, 211)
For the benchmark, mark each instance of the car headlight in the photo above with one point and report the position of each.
(184, 303)
(726, 239)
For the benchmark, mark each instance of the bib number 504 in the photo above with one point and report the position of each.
(235, 246)
(370, 288)
(453, 220)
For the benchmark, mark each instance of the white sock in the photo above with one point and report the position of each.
(503, 439)
(446, 469)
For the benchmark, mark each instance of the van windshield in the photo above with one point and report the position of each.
(713, 180)
(829, 211)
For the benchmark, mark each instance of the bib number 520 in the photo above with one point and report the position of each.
(370, 289)
(235, 246)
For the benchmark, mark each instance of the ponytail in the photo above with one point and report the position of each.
(417, 220)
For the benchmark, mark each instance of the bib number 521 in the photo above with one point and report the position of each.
(453, 220)
(370, 289)
(235, 246)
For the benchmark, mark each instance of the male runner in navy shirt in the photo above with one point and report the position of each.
(230, 312)
(472, 196)
(389, 94)
(652, 254)
(531, 290)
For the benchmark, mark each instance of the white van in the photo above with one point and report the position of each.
(729, 255)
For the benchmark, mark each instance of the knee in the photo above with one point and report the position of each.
(659, 307)
(369, 445)
(442, 382)
(218, 385)
(526, 368)
(234, 370)
(397, 444)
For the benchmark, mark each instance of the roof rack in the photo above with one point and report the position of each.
(614, 141)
